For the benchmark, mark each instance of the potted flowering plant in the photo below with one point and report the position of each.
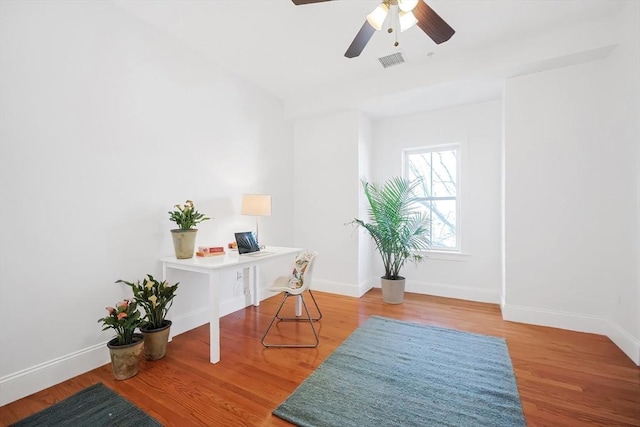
(156, 298)
(184, 237)
(125, 349)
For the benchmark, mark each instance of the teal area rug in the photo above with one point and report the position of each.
(94, 406)
(392, 373)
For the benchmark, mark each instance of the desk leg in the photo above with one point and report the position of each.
(214, 319)
(254, 277)
(168, 317)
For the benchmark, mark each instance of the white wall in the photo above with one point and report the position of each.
(474, 275)
(106, 124)
(365, 243)
(570, 202)
(623, 108)
(558, 170)
(326, 198)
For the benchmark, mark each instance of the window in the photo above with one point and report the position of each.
(438, 168)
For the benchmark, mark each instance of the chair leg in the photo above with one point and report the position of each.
(296, 319)
(317, 308)
(308, 318)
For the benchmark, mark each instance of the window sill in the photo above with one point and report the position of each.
(447, 255)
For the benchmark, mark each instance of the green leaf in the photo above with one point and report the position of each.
(397, 229)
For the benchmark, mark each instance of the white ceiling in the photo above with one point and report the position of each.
(297, 52)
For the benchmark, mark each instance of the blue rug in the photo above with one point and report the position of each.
(95, 406)
(392, 373)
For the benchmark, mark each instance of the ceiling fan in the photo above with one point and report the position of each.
(407, 12)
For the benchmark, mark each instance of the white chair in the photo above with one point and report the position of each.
(295, 285)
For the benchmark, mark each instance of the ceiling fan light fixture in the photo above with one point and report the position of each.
(407, 20)
(378, 16)
(405, 14)
(407, 5)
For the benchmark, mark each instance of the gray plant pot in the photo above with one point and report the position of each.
(392, 290)
(155, 341)
(184, 242)
(125, 359)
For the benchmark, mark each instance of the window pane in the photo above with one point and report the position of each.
(443, 224)
(419, 166)
(443, 167)
(437, 171)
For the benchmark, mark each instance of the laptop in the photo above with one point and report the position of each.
(247, 244)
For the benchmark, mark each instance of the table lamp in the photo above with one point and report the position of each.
(257, 205)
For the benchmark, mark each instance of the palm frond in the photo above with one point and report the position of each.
(396, 226)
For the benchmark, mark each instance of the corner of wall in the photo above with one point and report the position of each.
(624, 340)
(600, 325)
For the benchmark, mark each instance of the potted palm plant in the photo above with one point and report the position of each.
(398, 228)
(125, 349)
(184, 237)
(156, 298)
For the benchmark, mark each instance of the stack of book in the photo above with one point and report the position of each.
(206, 251)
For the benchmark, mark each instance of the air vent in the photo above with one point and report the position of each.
(391, 60)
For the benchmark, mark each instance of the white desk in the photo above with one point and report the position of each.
(212, 266)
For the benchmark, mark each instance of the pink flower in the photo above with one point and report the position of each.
(124, 304)
(122, 315)
(110, 310)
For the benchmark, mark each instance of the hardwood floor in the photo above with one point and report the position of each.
(564, 378)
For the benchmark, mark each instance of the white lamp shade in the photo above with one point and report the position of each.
(256, 204)
(407, 20)
(407, 5)
(377, 17)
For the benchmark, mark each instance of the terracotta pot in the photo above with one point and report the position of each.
(184, 242)
(126, 358)
(155, 341)
(392, 290)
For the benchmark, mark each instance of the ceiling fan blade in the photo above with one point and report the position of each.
(431, 23)
(299, 2)
(361, 40)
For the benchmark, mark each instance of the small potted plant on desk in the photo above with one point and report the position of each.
(156, 298)
(184, 237)
(125, 349)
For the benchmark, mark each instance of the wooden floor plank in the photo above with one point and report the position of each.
(564, 378)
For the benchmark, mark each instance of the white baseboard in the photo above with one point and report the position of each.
(427, 288)
(31, 380)
(555, 319)
(453, 291)
(348, 289)
(234, 304)
(28, 381)
(188, 321)
(624, 340)
(575, 322)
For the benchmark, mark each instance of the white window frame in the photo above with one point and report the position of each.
(405, 173)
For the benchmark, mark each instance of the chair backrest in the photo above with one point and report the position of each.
(302, 271)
